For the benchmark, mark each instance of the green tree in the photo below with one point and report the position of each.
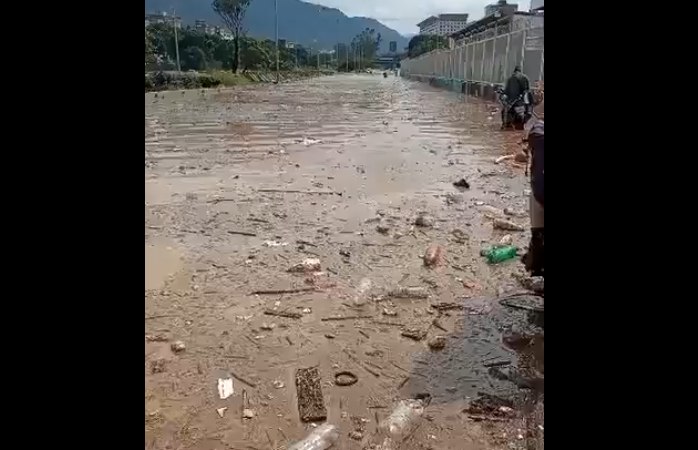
(255, 54)
(194, 58)
(423, 43)
(150, 57)
(232, 13)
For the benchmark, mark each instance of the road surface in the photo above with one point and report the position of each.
(243, 184)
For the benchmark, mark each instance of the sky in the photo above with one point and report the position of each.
(404, 15)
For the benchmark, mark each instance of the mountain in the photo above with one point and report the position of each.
(306, 23)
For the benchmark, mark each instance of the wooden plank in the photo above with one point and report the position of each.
(311, 403)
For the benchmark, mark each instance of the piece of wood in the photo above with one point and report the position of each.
(311, 403)
(242, 233)
(295, 191)
(287, 314)
(243, 380)
(283, 291)
(329, 319)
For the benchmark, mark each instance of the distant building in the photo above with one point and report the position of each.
(443, 24)
(537, 5)
(489, 25)
(502, 8)
(203, 27)
(152, 19)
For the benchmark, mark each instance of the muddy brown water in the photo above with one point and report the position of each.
(351, 149)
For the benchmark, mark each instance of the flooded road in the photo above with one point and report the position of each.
(242, 184)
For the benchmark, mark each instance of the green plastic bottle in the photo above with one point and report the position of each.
(501, 253)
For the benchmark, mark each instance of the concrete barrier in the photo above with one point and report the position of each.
(471, 88)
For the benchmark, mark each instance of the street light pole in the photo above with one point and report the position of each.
(276, 26)
(174, 25)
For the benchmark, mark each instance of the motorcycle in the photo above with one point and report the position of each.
(516, 112)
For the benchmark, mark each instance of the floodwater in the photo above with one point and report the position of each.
(241, 184)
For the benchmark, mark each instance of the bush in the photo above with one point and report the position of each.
(179, 80)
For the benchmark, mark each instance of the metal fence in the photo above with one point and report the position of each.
(487, 57)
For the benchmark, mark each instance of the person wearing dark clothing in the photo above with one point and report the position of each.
(517, 84)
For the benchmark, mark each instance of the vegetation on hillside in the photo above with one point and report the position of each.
(423, 43)
(204, 52)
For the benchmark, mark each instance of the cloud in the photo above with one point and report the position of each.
(404, 15)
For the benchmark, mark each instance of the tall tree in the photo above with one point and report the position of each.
(423, 43)
(232, 13)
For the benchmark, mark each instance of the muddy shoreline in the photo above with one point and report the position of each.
(243, 184)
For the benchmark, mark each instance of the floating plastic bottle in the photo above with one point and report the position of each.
(500, 253)
(322, 438)
(402, 421)
(403, 416)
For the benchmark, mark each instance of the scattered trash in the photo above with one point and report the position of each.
(499, 254)
(503, 158)
(424, 221)
(278, 384)
(462, 183)
(310, 141)
(248, 413)
(345, 253)
(156, 338)
(404, 418)
(225, 388)
(459, 236)
(158, 366)
(409, 292)
(454, 199)
(178, 346)
(433, 255)
(345, 378)
(308, 265)
(311, 403)
(437, 343)
(321, 438)
(382, 229)
(275, 244)
(221, 411)
(414, 333)
(361, 294)
(330, 336)
(268, 326)
(389, 312)
(489, 405)
(502, 224)
(496, 212)
(515, 213)
(506, 240)
(356, 435)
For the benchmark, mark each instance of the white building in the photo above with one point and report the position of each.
(152, 19)
(443, 24)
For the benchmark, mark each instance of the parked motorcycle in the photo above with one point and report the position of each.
(516, 112)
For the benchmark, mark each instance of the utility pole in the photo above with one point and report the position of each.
(174, 25)
(346, 52)
(276, 26)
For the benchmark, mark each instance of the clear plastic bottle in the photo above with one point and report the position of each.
(321, 438)
(403, 417)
